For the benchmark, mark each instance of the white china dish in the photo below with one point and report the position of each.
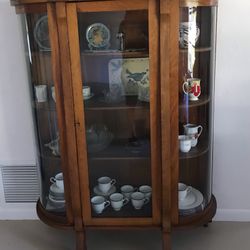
(194, 199)
(98, 192)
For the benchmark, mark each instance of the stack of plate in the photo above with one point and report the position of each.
(193, 203)
(56, 196)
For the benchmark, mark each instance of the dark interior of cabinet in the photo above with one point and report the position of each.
(195, 166)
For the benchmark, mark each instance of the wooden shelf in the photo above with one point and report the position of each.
(117, 53)
(123, 151)
(198, 219)
(203, 100)
(198, 3)
(130, 102)
(57, 220)
(204, 49)
(195, 152)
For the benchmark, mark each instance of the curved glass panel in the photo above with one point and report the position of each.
(196, 78)
(115, 73)
(44, 106)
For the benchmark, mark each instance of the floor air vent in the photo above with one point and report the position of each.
(20, 184)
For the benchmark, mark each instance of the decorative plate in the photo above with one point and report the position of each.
(131, 74)
(98, 36)
(41, 33)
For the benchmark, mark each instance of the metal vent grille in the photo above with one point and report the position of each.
(20, 184)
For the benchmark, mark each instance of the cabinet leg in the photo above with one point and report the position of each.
(80, 241)
(166, 240)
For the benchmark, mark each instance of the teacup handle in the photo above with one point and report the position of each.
(113, 182)
(125, 201)
(189, 189)
(146, 200)
(201, 129)
(106, 204)
(184, 87)
(53, 179)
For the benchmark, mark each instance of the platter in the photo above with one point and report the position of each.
(41, 33)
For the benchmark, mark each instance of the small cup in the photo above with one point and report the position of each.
(41, 93)
(189, 34)
(127, 190)
(105, 183)
(58, 180)
(53, 93)
(86, 91)
(146, 190)
(185, 143)
(118, 201)
(194, 131)
(138, 200)
(99, 203)
(183, 191)
(192, 87)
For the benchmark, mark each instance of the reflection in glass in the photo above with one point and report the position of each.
(44, 104)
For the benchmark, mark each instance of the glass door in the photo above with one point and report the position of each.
(196, 78)
(114, 53)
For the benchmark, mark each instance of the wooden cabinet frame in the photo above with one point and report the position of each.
(163, 23)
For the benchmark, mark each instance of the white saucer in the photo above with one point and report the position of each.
(98, 192)
(56, 201)
(194, 199)
(55, 189)
(88, 97)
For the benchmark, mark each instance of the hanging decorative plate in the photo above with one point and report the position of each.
(41, 33)
(98, 36)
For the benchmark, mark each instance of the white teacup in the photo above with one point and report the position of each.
(189, 34)
(185, 143)
(41, 93)
(53, 93)
(105, 183)
(118, 201)
(183, 191)
(146, 190)
(58, 180)
(86, 91)
(138, 200)
(99, 203)
(127, 190)
(194, 131)
(192, 88)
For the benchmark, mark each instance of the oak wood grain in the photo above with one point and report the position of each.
(69, 115)
(57, 79)
(155, 108)
(79, 110)
(198, 3)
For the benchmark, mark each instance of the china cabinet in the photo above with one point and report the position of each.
(123, 102)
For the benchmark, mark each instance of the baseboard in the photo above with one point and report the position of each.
(18, 212)
(232, 215)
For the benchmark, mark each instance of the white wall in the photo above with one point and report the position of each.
(232, 110)
(16, 128)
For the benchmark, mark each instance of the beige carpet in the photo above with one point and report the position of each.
(34, 235)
